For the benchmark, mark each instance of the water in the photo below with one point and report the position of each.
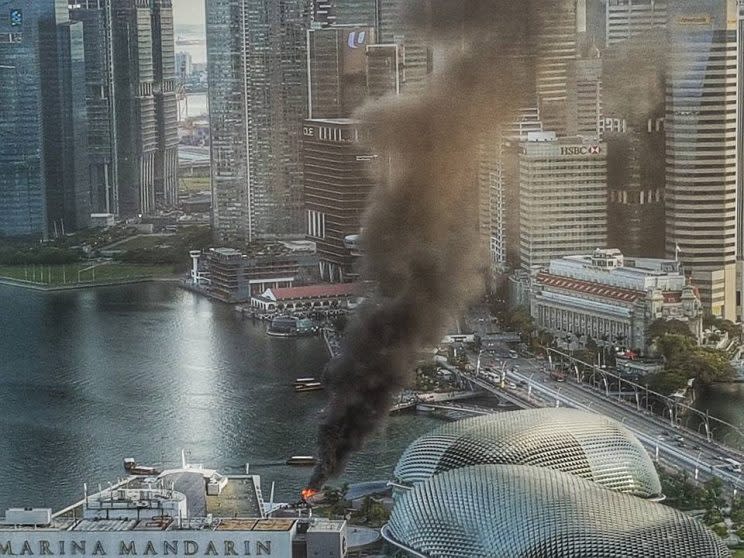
(90, 377)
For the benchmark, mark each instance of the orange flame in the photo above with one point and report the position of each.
(308, 493)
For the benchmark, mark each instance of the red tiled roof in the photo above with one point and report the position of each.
(670, 297)
(316, 291)
(587, 287)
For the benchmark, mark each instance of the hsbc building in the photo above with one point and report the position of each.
(563, 197)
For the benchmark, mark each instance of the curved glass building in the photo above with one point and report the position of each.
(590, 446)
(493, 511)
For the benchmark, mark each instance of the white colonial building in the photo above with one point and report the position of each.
(610, 298)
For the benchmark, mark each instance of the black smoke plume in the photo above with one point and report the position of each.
(420, 239)
(420, 244)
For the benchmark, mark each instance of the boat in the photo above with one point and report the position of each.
(311, 386)
(291, 326)
(132, 468)
(305, 381)
(302, 460)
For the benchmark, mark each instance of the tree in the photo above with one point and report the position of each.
(707, 366)
(659, 328)
(672, 346)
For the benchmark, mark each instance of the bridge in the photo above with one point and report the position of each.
(668, 440)
(455, 407)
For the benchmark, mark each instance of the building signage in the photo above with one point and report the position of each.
(197, 544)
(701, 19)
(581, 150)
(308, 131)
(16, 18)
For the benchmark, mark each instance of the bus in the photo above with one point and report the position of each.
(733, 465)
(513, 354)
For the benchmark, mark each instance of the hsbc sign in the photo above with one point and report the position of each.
(581, 150)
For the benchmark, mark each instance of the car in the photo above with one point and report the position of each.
(680, 444)
(679, 438)
(522, 383)
(512, 385)
(664, 432)
(697, 448)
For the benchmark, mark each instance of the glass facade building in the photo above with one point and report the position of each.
(44, 184)
(257, 65)
(22, 183)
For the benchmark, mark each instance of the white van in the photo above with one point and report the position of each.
(733, 465)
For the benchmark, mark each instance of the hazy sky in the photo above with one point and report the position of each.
(188, 11)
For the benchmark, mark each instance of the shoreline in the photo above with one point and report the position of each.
(31, 286)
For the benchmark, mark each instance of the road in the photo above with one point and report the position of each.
(527, 380)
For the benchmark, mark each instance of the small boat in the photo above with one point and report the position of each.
(302, 460)
(132, 468)
(311, 386)
(305, 381)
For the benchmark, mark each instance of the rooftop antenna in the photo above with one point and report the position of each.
(183, 458)
(247, 468)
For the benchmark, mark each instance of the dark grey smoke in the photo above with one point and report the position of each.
(420, 239)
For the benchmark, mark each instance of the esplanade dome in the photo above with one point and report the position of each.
(518, 511)
(586, 445)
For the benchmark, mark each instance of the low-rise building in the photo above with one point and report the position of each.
(612, 299)
(236, 277)
(312, 297)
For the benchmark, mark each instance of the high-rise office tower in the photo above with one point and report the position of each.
(65, 120)
(584, 96)
(498, 186)
(43, 122)
(356, 12)
(563, 197)
(145, 104)
(337, 69)
(257, 65)
(416, 53)
(99, 95)
(628, 18)
(635, 181)
(166, 103)
(740, 169)
(701, 151)
(22, 183)
(383, 70)
(337, 183)
(554, 25)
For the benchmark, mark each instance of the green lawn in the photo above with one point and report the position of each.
(146, 241)
(55, 275)
(738, 553)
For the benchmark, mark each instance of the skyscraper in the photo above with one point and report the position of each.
(356, 12)
(337, 69)
(22, 183)
(415, 45)
(584, 96)
(701, 152)
(635, 182)
(563, 197)
(555, 28)
(628, 18)
(337, 184)
(99, 96)
(257, 65)
(43, 121)
(145, 104)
